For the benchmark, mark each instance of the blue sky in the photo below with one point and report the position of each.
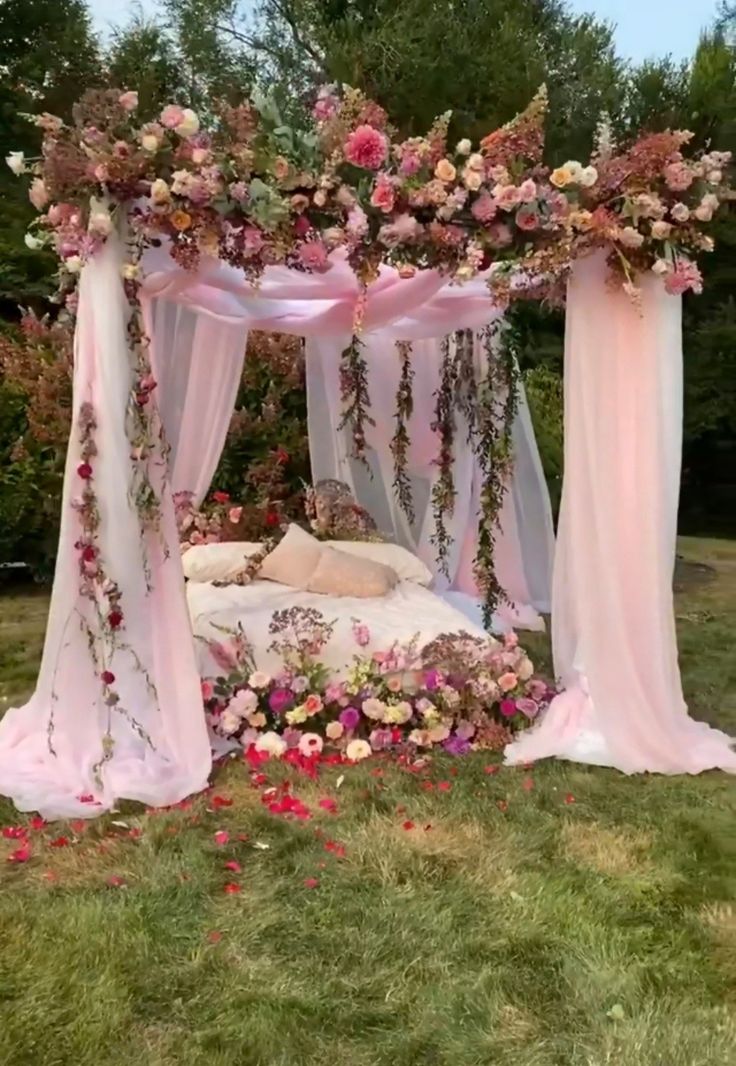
(644, 28)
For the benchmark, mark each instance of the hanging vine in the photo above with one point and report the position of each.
(355, 396)
(443, 490)
(496, 410)
(400, 440)
(465, 379)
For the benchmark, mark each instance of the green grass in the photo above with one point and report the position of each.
(511, 925)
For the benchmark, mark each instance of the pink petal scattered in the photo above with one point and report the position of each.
(528, 784)
(37, 822)
(311, 882)
(60, 842)
(78, 825)
(135, 833)
(492, 769)
(116, 882)
(14, 832)
(408, 825)
(221, 801)
(444, 786)
(222, 837)
(328, 804)
(214, 937)
(234, 866)
(20, 854)
(569, 798)
(231, 889)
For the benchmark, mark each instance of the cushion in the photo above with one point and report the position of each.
(293, 560)
(340, 574)
(406, 565)
(217, 562)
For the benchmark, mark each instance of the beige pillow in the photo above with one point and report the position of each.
(406, 565)
(340, 574)
(293, 560)
(217, 562)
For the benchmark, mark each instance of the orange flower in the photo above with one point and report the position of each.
(180, 220)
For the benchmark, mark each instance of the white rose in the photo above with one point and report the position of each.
(149, 142)
(715, 177)
(357, 750)
(588, 177)
(100, 224)
(190, 125)
(630, 237)
(660, 267)
(229, 722)
(33, 242)
(271, 743)
(73, 264)
(374, 709)
(475, 162)
(703, 214)
(525, 669)
(661, 230)
(575, 170)
(17, 162)
(463, 147)
(160, 192)
(243, 702)
(258, 679)
(680, 212)
(472, 179)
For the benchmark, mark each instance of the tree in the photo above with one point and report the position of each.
(48, 56)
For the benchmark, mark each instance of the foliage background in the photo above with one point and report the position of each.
(484, 60)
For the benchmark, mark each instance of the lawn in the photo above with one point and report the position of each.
(460, 916)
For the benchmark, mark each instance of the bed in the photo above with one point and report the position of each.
(409, 610)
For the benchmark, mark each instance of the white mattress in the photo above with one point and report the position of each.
(408, 611)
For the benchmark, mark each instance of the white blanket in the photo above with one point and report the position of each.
(408, 611)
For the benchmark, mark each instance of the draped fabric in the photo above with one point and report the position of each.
(613, 627)
(52, 750)
(525, 541)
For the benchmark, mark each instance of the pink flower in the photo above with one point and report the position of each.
(507, 681)
(325, 107)
(678, 176)
(239, 191)
(313, 704)
(252, 240)
(310, 744)
(172, 116)
(526, 219)
(37, 194)
(411, 162)
(527, 191)
(500, 235)
(362, 634)
(685, 277)
(484, 208)
(366, 148)
(527, 707)
(234, 515)
(225, 655)
(508, 708)
(402, 230)
(506, 196)
(383, 194)
(128, 101)
(207, 690)
(313, 255)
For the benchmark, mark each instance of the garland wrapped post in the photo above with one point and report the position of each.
(400, 440)
(496, 410)
(443, 490)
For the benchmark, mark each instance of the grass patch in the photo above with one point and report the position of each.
(563, 916)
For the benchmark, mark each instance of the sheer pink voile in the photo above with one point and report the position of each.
(613, 624)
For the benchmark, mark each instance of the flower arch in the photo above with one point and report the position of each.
(255, 194)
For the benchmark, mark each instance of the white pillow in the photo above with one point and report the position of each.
(217, 562)
(406, 565)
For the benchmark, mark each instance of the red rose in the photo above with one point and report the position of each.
(89, 554)
(107, 677)
(85, 471)
(115, 619)
(221, 497)
(282, 456)
(272, 518)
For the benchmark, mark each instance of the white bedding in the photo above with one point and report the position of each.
(409, 610)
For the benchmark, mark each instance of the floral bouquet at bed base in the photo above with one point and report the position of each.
(457, 693)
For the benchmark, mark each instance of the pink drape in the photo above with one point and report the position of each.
(612, 612)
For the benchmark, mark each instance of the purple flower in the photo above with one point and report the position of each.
(432, 680)
(280, 700)
(456, 745)
(508, 708)
(292, 737)
(349, 718)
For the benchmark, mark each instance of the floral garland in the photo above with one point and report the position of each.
(443, 489)
(400, 440)
(355, 396)
(458, 692)
(496, 409)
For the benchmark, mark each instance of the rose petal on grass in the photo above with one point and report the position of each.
(116, 882)
(328, 804)
(38, 823)
(20, 854)
(569, 798)
(444, 786)
(502, 806)
(231, 889)
(214, 936)
(221, 837)
(408, 825)
(491, 769)
(60, 842)
(528, 784)
(221, 801)
(234, 866)
(311, 882)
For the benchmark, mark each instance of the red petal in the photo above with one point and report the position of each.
(14, 832)
(116, 882)
(231, 889)
(528, 784)
(311, 882)
(328, 804)
(214, 937)
(60, 842)
(233, 865)
(444, 786)
(492, 769)
(37, 823)
(408, 825)
(222, 837)
(221, 801)
(78, 826)
(20, 854)
(569, 798)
